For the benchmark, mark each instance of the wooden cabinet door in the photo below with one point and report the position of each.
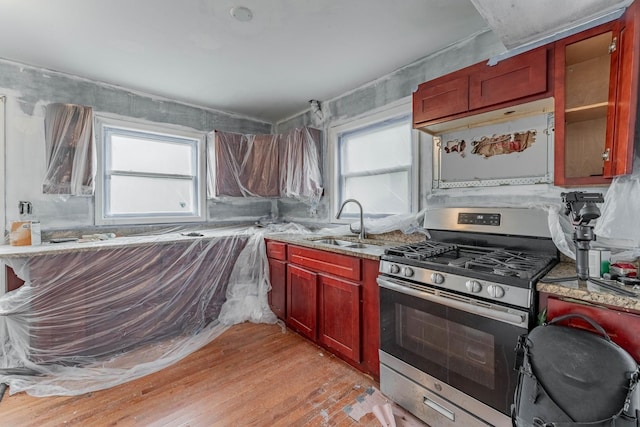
(585, 68)
(442, 97)
(620, 144)
(278, 293)
(621, 327)
(596, 77)
(370, 318)
(302, 301)
(339, 318)
(513, 78)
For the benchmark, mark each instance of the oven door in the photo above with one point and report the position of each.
(468, 345)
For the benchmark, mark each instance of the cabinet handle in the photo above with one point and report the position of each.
(606, 154)
(613, 45)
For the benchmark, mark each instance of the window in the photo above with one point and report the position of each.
(374, 163)
(148, 174)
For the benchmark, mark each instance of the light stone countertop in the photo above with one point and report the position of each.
(46, 248)
(376, 244)
(310, 241)
(588, 291)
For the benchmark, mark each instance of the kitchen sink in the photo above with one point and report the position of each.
(340, 243)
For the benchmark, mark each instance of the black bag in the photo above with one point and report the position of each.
(574, 378)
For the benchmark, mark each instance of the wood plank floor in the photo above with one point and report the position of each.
(252, 375)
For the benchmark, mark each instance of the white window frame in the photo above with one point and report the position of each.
(102, 124)
(391, 111)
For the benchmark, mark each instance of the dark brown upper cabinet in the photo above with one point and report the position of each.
(515, 78)
(481, 88)
(596, 78)
(442, 97)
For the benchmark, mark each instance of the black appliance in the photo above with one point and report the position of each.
(452, 309)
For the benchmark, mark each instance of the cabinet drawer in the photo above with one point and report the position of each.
(277, 250)
(326, 262)
(514, 78)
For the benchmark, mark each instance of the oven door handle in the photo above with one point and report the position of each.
(453, 301)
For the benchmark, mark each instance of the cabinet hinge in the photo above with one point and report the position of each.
(613, 45)
(606, 154)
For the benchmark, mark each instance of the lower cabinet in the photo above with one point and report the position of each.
(331, 299)
(302, 299)
(278, 294)
(339, 316)
(621, 326)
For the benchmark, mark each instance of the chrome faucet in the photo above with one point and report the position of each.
(362, 234)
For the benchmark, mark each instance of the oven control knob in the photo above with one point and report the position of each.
(394, 269)
(495, 291)
(473, 286)
(408, 272)
(437, 278)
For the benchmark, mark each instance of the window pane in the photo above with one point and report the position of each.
(376, 147)
(142, 195)
(136, 154)
(378, 194)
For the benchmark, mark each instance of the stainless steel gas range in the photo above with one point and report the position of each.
(452, 309)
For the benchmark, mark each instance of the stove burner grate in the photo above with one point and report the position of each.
(423, 250)
(511, 263)
(498, 261)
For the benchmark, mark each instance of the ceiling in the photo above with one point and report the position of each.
(268, 68)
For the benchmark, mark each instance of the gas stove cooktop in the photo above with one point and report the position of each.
(508, 246)
(490, 263)
(487, 260)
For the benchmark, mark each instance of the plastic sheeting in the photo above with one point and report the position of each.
(537, 197)
(286, 165)
(615, 229)
(69, 147)
(300, 176)
(618, 218)
(406, 223)
(111, 311)
(246, 165)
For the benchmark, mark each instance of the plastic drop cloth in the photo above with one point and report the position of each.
(69, 149)
(406, 223)
(300, 176)
(286, 165)
(112, 311)
(246, 165)
(619, 214)
(542, 198)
